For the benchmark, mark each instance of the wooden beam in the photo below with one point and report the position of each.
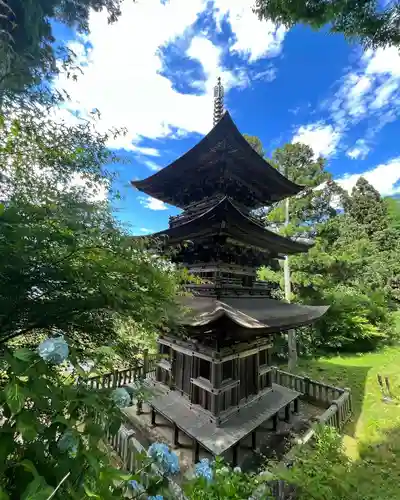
(287, 414)
(235, 453)
(275, 422)
(254, 440)
(196, 451)
(176, 436)
(296, 406)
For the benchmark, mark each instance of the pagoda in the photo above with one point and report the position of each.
(214, 379)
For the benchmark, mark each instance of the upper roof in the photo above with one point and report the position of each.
(225, 219)
(222, 162)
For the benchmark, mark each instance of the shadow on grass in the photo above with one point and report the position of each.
(343, 376)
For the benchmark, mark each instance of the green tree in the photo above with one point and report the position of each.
(362, 21)
(393, 208)
(28, 49)
(367, 208)
(314, 204)
(255, 143)
(65, 263)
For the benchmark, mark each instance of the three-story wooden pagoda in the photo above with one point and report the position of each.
(215, 381)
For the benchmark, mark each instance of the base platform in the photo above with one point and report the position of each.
(218, 439)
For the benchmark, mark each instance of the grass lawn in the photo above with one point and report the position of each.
(372, 438)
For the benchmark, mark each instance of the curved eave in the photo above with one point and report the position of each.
(255, 313)
(256, 166)
(238, 227)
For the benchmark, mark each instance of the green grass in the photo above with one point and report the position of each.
(372, 437)
(372, 416)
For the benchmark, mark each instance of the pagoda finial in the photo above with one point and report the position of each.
(218, 102)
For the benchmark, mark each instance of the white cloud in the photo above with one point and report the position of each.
(152, 203)
(254, 39)
(146, 230)
(322, 138)
(152, 165)
(383, 177)
(359, 151)
(122, 74)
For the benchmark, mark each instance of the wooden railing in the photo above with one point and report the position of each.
(143, 368)
(335, 400)
(131, 452)
(312, 390)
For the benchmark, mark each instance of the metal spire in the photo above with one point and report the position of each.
(218, 102)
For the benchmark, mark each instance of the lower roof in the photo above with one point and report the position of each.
(250, 313)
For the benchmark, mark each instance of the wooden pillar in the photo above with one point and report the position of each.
(196, 451)
(287, 414)
(275, 422)
(296, 406)
(145, 363)
(235, 453)
(257, 371)
(176, 436)
(153, 417)
(254, 440)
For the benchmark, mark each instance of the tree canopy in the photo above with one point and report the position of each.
(28, 48)
(365, 21)
(255, 143)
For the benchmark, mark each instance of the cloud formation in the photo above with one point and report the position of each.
(123, 66)
(384, 178)
(369, 92)
(152, 203)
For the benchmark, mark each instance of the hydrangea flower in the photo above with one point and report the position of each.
(237, 470)
(54, 350)
(203, 469)
(166, 459)
(156, 497)
(137, 487)
(121, 397)
(68, 442)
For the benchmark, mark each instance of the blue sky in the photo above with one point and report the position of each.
(153, 72)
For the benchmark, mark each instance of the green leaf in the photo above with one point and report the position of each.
(38, 489)
(24, 354)
(3, 495)
(26, 425)
(15, 397)
(28, 465)
(89, 492)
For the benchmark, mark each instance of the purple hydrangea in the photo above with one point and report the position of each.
(204, 469)
(166, 459)
(54, 350)
(121, 397)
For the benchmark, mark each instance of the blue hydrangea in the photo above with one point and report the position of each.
(203, 469)
(54, 350)
(166, 459)
(137, 487)
(68, 442)
(156, 497)
(121, 397)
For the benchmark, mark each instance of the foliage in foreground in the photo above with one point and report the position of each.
(324, 472)
(65, 262)
(28, 52)
(364, 21)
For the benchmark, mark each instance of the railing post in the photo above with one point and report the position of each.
(307, 386)
(145, 362)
